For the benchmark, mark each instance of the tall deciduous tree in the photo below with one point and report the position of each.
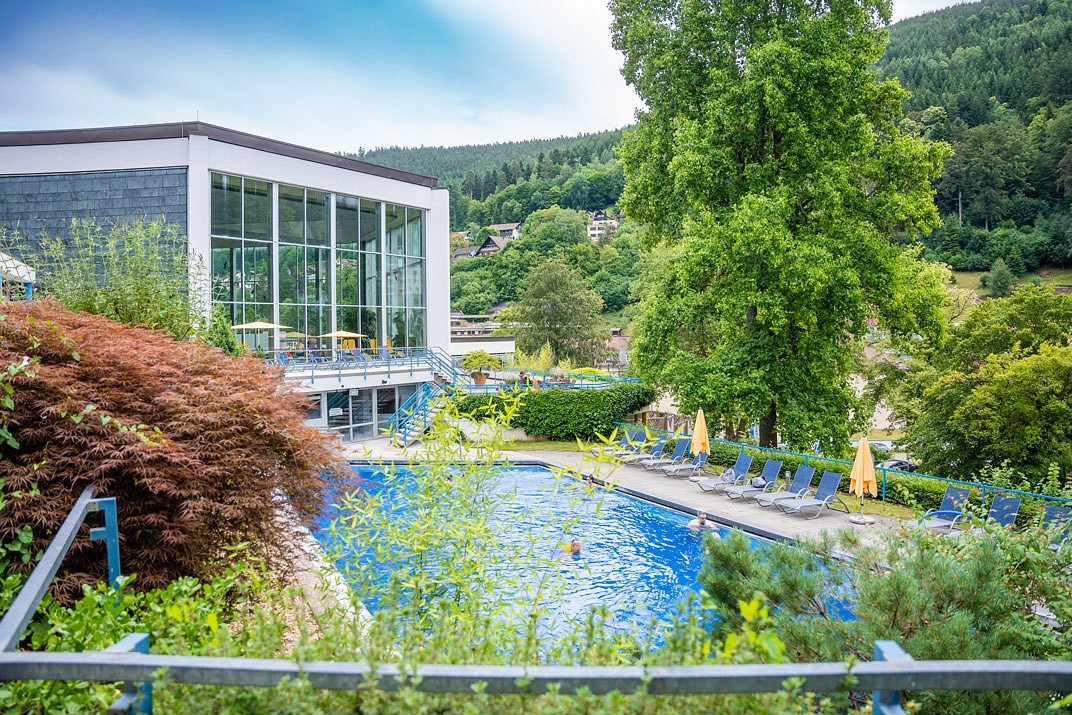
(557, 308)
(769, 164)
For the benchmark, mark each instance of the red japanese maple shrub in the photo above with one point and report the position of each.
(231, 437)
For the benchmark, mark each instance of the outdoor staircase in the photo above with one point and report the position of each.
(413, 418)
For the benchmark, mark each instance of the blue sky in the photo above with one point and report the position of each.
(330, 74)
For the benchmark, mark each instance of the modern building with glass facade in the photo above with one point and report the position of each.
(290, 236)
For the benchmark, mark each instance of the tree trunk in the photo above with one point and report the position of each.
(768, 428)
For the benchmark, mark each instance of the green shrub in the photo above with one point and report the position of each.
(564, 414)
(972, 597)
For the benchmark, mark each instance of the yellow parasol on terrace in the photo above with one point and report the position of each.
(259, 325)
(863, 479)
(342, 334)
(701, 443)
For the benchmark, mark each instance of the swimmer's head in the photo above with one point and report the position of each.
(575, 546)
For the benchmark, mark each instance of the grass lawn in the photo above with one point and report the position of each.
(1055, 276)
(970, 281)
(549, 445)
(1048, 275)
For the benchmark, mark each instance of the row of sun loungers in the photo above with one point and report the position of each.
(1004, 508)
(796, 496)
(791, 497)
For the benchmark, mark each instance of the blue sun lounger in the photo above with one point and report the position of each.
(656, 451)
(678, 457)
(687, 470)
(950, 513)
(1003, 510)
(797, 489)
(1059, 519)
(734, 475)
(746, 491)
(825, 496)
(627, 438)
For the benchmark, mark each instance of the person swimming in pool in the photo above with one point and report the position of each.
(701, 522)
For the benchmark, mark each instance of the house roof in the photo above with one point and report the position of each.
(504, 226)
(498, 241)
(183, 130)
(465, 251)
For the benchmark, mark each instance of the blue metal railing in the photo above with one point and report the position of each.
(23, 608)
(771, 450)
(311, 364)
(557, 375)
(415, 412)
(129, 660)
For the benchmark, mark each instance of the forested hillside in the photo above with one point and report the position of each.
(994, 79)
(451, 164)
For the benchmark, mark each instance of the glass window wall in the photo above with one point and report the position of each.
(376, 286)
(241, 256)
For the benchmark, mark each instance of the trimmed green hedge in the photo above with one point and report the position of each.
(562, 413)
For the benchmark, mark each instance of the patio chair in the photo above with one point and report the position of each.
(677, 457)
(657, 448)
(628, 437)
(734, 475)
(635, 447)
(687, 470)
(1059, 519)
(352, 356)
(825, 497)
(797, 489)
(950, 513)
(768, 477)
(1003, 510)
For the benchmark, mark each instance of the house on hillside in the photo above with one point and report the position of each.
(598, 230)
(504, 233)
(508, 231)
(464, 252)
(491, 244)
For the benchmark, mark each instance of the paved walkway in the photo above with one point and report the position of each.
(680, 493)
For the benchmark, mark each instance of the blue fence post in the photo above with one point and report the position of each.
(883, 484)
(109, 533)
(133, 695)
(888, 702)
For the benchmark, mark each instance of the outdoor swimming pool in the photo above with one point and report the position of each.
(638, 559)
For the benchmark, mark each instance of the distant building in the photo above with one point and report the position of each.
(616, 350)
(509, 231)
(469, 333)
(604, 228)
(464, 252)
(492, 244)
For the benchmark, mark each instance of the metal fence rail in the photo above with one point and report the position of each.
(1055, 676)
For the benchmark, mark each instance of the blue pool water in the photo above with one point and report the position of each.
(638, 559)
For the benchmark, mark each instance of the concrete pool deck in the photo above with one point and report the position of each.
(658, 487)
